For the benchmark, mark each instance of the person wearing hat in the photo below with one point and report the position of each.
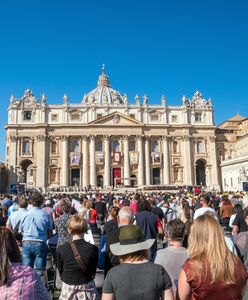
(136, 277)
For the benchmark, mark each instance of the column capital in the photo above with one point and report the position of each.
(92, 137)
(106, 137)
(147, 138)
(14, 138)
(84, 137)
(140, 137)
(64, 137)
(186, 138)
(166, 137)
(41, 138)
(212, 139)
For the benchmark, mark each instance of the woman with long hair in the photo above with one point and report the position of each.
(212, 270)
(16, 280)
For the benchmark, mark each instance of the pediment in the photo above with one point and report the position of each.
(116, 119)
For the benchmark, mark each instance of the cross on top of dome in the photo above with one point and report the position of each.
(103, 79)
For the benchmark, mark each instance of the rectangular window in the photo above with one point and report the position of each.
(99, 116)
(198, 117)
(132, 116)
(27, 115)
(75, 117)
(54, 117)
(154, 117)
(174, 118)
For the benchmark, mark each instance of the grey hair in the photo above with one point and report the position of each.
(126, 213)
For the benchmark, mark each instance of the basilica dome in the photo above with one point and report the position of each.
(103, 93)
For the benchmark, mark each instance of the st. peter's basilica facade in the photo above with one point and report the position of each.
(106, 141)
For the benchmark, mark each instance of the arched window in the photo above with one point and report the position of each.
(54, 147)
(155, 147)
(26, 147)
(116, 146)
(132, 146)
(175, 147)
(75, 146)
(99, 146)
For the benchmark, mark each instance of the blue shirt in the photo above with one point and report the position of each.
(35, 224)
(16, 216)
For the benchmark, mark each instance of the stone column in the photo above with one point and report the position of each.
(166, 162)
(126, 162)
(148, 160)
(65, 161)
(85, 156)
(41, 160)
(12, 159)
(106, 162)
(214, 168)
(141, 162)
(92, 161)
(187, 160)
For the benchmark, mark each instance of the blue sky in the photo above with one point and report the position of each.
(153, 47)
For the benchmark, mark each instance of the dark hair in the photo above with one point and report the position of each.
(245, 212)
(9, 253)
(143, 205)
(65, 206)
(23, 202)
(176, 230)
(237, 207)
(36, 200)
(205, 198)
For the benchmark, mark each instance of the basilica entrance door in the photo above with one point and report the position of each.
(116, 176)
(156, 176)
(200, 173)
(75, 177)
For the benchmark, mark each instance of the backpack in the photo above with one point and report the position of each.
(23, 284)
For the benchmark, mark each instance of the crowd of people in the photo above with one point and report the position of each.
(150, 245)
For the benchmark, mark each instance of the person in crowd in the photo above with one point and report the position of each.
(16, 217)
(226, 210)
(239, 224)
(36, 227)
(136, 277)
(134, 203)
(77, 270)
(112, 222)
(92, 217)
(48, 208)
(204, 201)
(237, 208)
(61, 223)
(100, 207)
(149, 224)
(14, 207)
(173, 257)
(17, 281)
(125, 217)
(212, 271)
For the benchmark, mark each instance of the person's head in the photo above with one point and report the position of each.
(144, 205)
(77, 225)
(237, 208)
(23, 202)
(88, 204)
(65, 206)
(176, 230)
(36, 200)
(114, 212)
(246, 215)
(9, 253)
(206, 246)
(125, 215)
(204, 200)
(132, 246)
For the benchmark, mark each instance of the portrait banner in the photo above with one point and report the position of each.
(74, 157)
(117, 157)
(156, 158)
(99, 157)
(133, 157)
